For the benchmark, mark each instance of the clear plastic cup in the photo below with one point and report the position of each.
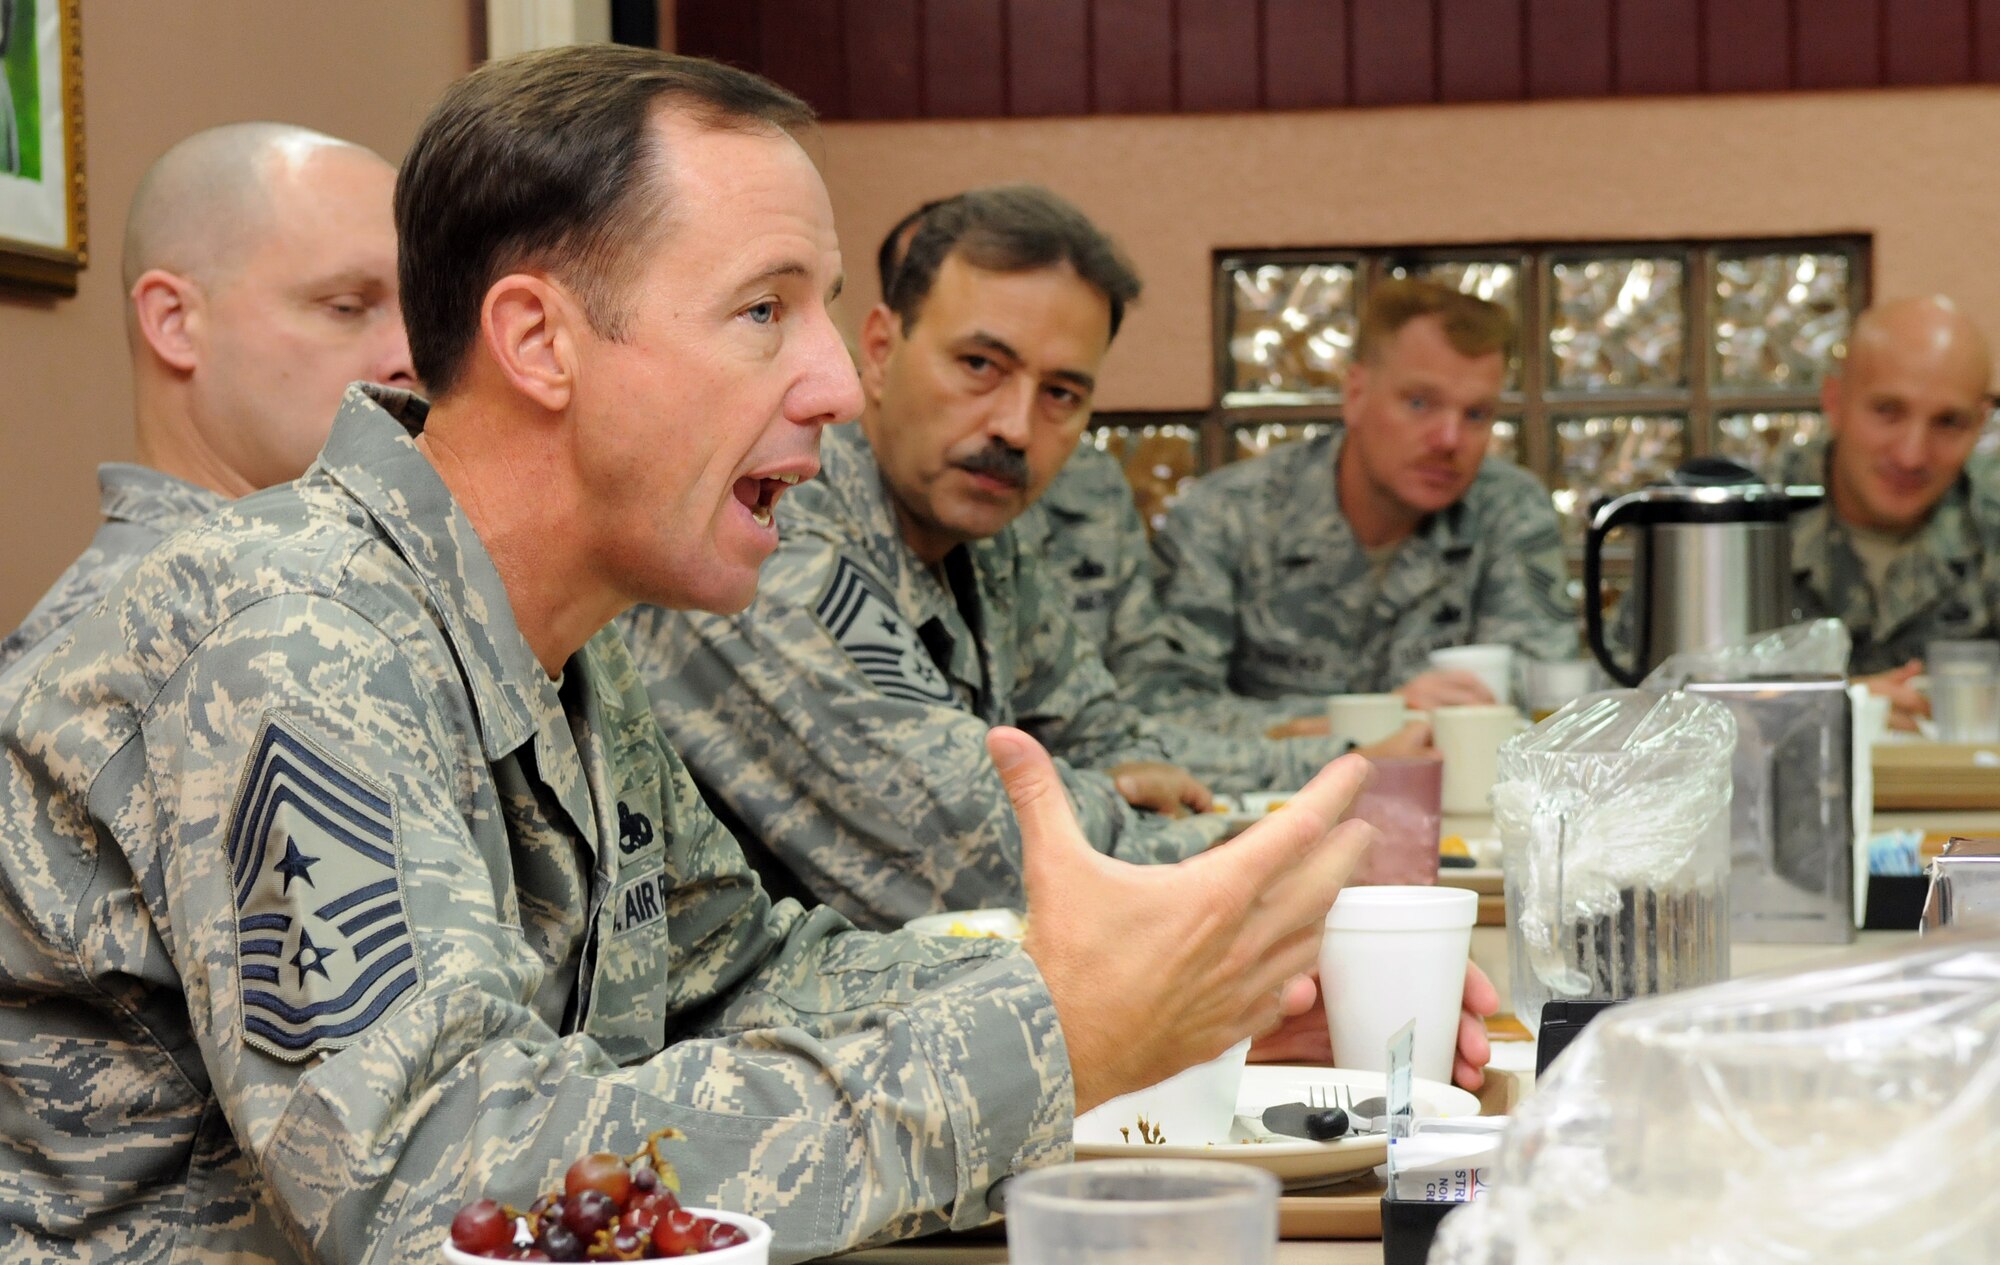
(1403, 801)
(1392, 955)
(1965, 689)
(1143, 1212)
(1491, 662)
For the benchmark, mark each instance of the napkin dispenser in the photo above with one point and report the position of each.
(1965, 886)
(1791, 877)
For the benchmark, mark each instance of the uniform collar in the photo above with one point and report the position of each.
(129, 493)
(370, 454)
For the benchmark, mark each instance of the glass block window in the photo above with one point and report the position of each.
(1159, 461)
(1632, 356)
(1764, 441)
(1780, 319)
(1255, 441)
(1609, 456)
(1506, 441)
(1290, 332)
(1617, 324)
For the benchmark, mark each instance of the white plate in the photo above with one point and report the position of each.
(1297, 1162)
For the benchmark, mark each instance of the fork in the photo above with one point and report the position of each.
(1331, 1106)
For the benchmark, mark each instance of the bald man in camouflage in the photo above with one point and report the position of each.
(1905, 550)
(260, 268)
(1336, 565)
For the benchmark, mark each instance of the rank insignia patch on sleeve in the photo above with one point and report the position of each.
(323, 944)
(879, 640)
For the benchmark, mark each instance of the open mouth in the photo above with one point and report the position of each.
(760, 495)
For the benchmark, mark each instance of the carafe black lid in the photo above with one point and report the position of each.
(1712, 472)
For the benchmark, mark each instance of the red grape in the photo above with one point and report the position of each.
(601, 1171)
(721, 1234)
(560, 1242)
(644, 1178)
(481, 1228)
(626, 1245)
(677, 1233)
(587, 1212)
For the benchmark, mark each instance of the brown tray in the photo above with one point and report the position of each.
(1353, 1209)
(1922, 775)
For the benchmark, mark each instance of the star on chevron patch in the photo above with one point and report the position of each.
(323, 943)
(879, 640)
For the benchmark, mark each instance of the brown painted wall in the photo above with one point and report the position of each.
(1908, 166)
(154, 71)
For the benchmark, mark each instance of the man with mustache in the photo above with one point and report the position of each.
(1906, 548)
(838, 720)
(1336, 566)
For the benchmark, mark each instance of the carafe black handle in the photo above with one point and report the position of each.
(1602, 520)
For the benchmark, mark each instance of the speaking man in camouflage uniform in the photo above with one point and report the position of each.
(345, 875)
(840, 719)
(1337, 565)
(260, 262)
(1905, 550)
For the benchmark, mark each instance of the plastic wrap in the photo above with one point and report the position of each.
(1844, 1115)
(1818, 647)
(1614, 821)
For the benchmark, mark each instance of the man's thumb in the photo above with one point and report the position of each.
(1041, 803)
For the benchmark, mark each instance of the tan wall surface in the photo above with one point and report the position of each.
(1913, 167)
(154, 71)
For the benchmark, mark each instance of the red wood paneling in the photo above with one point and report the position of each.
(1926, 41)
(883, 54)
(1986, 40)
(1656, 46)
(1394, 43)
(1132, 55)
(1216, 64)
(1480, 50)
(965, 58)
(1048, 56)
(802, 51)
(1837, 44)
(1569, 48)
(997, 58)
(727, 30)
(1305, 53)
(1747, 46)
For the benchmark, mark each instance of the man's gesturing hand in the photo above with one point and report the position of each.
(1156, 968)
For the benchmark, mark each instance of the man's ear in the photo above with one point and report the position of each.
(1830, 389)
(170, 313)
(881, 332)
(1357, 385)
(530, 327)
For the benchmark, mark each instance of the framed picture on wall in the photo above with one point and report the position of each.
(41, 144)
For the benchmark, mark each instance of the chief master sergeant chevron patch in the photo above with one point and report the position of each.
(323, 945)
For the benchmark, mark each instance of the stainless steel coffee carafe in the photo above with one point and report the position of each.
(1711, 563)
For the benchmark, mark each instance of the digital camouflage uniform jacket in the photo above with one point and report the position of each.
(842, 717)
(141, 508)
(1089, 538)
(1947, 587)
(1088, 534)
(325, 910)
(1266, 590)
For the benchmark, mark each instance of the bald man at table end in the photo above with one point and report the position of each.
(260, 272)
(1906, 548)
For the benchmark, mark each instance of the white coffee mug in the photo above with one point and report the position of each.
(1364, 718)
(1492, 663)
(1469, 739)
